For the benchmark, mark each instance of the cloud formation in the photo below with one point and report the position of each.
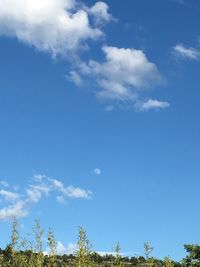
(9, 196)
(54, 26)
(18, 204)
(152, 104)
(124, 72)
(69, 249)
(124, 76)
(186, 53)
(64, 28)
(100, 13)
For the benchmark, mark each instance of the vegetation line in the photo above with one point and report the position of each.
(29, 252)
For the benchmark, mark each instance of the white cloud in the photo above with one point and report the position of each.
(100, 13)
(57, 184)
(39, 177)
(123, 75)
(69, 249)
(71, 191)
(152, 104)
(97, 171)
(43, 188)
(124, 72)
(61, 249)
(19, 209)
(76, 192)
(187, 53)
(62, 28)
(8, 195)
(33, 193)
(54, 26)
(74, 77)
(104, 253)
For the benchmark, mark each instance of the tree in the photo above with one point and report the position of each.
(168, 262)
(148, 249)
(14, 243)
(83, 252)
(193, 257)
(38, 233)
(51, 242)
(118, 258)
(14, 234)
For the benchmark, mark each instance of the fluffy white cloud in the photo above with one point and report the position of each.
(33, 193)
(63, 27)
(187, 53)
(97, 171)
(100, 13)
(55, 26)
(69, 249)
(61, 249)
(123, 75)
(152, 104)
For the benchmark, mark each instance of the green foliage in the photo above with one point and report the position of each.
(14, 234)
(193, 257)
(25, 252)
(118, 258)
(148, 249)
(38, 233)
(168, 262)
(83, 254)
(51, 242)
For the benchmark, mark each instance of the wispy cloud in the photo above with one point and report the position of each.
(70, 191)
(152, 104)
(8, 195)
(18, 209)
(39, 187)
(186, 53)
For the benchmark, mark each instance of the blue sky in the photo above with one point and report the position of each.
(99, 107)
